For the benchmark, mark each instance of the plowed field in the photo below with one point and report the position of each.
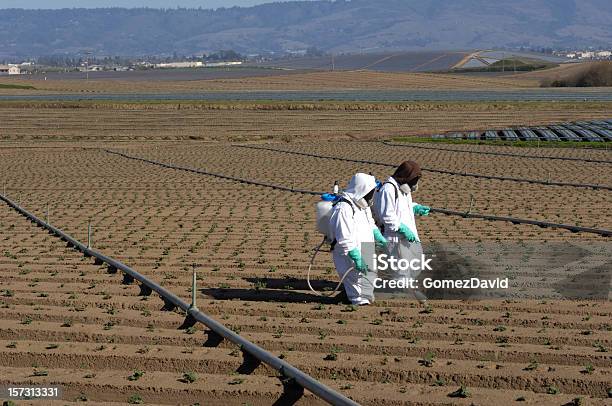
(245, 121)
(68, 322)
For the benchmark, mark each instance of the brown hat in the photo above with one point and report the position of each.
(407, 172)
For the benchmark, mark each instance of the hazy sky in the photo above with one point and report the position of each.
(127, 3)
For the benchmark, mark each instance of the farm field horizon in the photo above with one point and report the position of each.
(228, 188)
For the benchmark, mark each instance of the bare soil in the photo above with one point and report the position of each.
(248, 121)
(64, 315)
(341, 80)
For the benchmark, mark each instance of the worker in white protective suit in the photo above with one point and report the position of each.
(354, 235)
(395, 211)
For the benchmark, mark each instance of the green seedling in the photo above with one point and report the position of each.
(406, 335)
(189, 377)
(135, 376)
(135, 399)
(427, 310)
(333, 354)
(350, 308)
(428, 360)
(501, 340)
(462, 392)
(588, 369)
(40, 372)
(600, 347)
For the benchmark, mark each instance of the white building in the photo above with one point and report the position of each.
(179, 65)
(216, 64)
(10, 70)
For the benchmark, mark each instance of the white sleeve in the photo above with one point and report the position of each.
(387, 208)
(343, 224)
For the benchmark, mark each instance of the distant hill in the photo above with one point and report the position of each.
(339, 26)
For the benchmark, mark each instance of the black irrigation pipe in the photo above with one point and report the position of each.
(473, 175)
(468, 214)
(293, 378)
(217, 175)
(544, 224)
(561, 158)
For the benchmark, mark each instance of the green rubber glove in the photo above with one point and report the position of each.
(421, 210)
(360, 264)
(378, 237)
(407, 233)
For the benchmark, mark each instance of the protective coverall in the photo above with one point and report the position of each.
(351, 227)
(394, 209)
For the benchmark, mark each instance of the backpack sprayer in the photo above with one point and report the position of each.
(324, 210)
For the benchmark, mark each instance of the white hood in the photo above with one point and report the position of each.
(360, 185)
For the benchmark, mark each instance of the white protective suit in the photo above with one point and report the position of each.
(351, 227)
(392, 208)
